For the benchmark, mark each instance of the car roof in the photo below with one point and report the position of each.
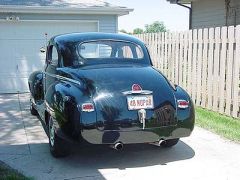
(89, 36)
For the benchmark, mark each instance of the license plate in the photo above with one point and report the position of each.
(140, 102)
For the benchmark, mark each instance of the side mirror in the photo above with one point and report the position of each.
(42, 50)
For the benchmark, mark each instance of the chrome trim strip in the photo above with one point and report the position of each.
(62, 78)
(144, 92)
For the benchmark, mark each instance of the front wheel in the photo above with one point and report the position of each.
(169, 142)
(56, 144)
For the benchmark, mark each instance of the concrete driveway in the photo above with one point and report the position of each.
(24, 146)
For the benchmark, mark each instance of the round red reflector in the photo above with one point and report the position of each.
(136, 87)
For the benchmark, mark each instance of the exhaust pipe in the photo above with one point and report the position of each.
(158, 143)
(118, 146)
(161, 142)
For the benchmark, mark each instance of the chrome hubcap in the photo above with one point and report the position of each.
(51, 132)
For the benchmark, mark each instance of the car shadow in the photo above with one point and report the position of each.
(132, 155)
(93, 161)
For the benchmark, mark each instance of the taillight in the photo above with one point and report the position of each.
(182, 104)
(87, 107)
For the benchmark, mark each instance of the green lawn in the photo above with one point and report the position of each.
(7, 173)
(223, 125)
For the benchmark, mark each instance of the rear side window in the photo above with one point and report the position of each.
(109, 49)
(53, 56)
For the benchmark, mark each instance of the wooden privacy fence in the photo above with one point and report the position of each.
(205, 62)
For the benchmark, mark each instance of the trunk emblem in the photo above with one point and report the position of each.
(142, 117)
(87, 107)
(136, 88)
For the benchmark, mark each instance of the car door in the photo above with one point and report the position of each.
(52, 62)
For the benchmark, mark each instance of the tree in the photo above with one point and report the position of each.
(138, 31)
(155, 27)
(123, 31)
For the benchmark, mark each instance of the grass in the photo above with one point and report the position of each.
(224, 126)
(7, 173)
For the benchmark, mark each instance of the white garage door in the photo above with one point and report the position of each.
(20, 43)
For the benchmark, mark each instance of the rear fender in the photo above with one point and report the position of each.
(63, 101)
(185, 116)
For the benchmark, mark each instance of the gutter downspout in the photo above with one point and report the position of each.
(190, 12)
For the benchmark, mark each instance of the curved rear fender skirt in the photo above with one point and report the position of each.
(186, 116)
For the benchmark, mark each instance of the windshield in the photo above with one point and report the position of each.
(110, 49)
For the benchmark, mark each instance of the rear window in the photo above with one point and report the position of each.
(109, 49)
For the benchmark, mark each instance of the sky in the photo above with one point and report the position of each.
(174, 17)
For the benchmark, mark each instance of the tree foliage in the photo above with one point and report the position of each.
(123, 31)
(155, 27)
(138, 31)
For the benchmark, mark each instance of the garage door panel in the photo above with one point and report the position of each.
(7, 30)
(20, 44)
(9, 83)
(7, 57)
(22, 84)
(28, 56)
(33, 31)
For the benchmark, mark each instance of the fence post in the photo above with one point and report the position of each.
(204, 67)
(185, 52)
(181, 59)
(222, 69)
(216, 70)
(199, 68)
(229, 70)
(162, 51)
(236, 80)
(194, 65)
(210, 68)
(169, 61)
(176, 66)
(189, 79)
(166, 54)
(173, 57)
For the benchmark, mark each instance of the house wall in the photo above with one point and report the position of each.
(234, 12)
(214, 13)
(107, 23)
(207, 13)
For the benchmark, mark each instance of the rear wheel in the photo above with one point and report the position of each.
(32, 108)
(56, 144)
(169, 142)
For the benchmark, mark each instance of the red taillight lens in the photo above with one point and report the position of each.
(183, 104)
(87, 107)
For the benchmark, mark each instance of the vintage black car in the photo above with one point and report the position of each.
(101, 88)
